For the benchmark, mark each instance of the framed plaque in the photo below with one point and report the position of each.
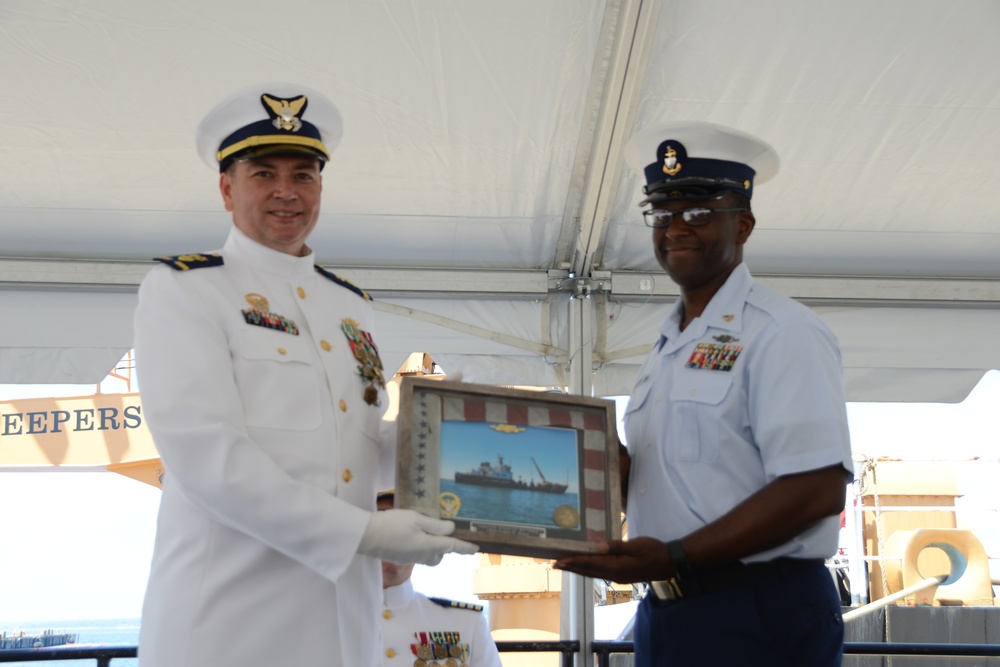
(520, 472)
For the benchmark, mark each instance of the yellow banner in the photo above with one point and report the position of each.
(73, 432)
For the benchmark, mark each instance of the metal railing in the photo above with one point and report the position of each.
(602, 650)
(102, 654)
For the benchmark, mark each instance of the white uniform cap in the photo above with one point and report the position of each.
(269, 118)
(694, 158)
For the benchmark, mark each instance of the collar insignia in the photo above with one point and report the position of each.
(671, 167)
(284, 113)
(728, 318)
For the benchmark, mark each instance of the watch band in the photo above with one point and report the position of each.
(675, 587)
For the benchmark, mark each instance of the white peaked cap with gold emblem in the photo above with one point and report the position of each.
(269, 118)
(695, 159)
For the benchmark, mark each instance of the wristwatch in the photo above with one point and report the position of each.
(673, 588)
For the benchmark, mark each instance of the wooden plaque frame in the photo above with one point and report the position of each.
(500, 504)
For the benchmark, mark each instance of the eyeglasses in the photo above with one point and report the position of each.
(692, 217)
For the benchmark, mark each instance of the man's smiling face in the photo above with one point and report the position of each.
(274, 199)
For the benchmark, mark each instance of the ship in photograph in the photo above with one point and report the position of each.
(500, 475)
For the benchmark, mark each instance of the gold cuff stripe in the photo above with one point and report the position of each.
(270, 140)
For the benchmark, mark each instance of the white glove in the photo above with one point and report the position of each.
(406, 536)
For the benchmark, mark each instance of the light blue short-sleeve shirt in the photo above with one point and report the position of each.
(750, 391)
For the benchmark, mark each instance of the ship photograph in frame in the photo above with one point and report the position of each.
(520, 472)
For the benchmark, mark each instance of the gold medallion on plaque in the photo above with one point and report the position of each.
(566, 516)
(449, 504)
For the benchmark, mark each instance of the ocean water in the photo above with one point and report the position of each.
(110, 632)
(492, 503)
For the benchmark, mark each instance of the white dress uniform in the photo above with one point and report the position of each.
(751, 390)
(256, 399)
(430, 632)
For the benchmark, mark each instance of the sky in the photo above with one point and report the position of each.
(77, 545)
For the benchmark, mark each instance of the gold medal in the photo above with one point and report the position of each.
(566, 516)
(424, 652)
(455, 651)
(419, 663)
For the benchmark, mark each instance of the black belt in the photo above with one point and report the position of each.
(711, 579)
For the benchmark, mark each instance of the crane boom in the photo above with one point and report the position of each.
(540, 473)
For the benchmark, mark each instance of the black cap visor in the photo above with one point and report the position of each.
(693, 188)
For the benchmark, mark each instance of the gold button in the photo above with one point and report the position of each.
(282, 350)
(387, 614)
(390, 653)
(347, 475)
(325, 344)
(343, 405)
(302, 293)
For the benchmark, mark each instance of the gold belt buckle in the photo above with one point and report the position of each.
(666, 589)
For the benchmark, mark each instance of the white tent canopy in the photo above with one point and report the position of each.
(480, 183)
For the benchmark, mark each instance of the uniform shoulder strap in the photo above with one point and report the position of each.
(343, 283)
(455, 604)
(192, 261)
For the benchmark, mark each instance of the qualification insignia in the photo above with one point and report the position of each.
(259, 315)
(369, 363)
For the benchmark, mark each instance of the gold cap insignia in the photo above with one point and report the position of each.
(284, 113)
(671, 167)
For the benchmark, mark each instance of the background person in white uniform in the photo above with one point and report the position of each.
(264, 392)
(418, 628)
(736, 429)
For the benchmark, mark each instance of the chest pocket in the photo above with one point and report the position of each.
(635, 424)
(697, 400)
(277, 380)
